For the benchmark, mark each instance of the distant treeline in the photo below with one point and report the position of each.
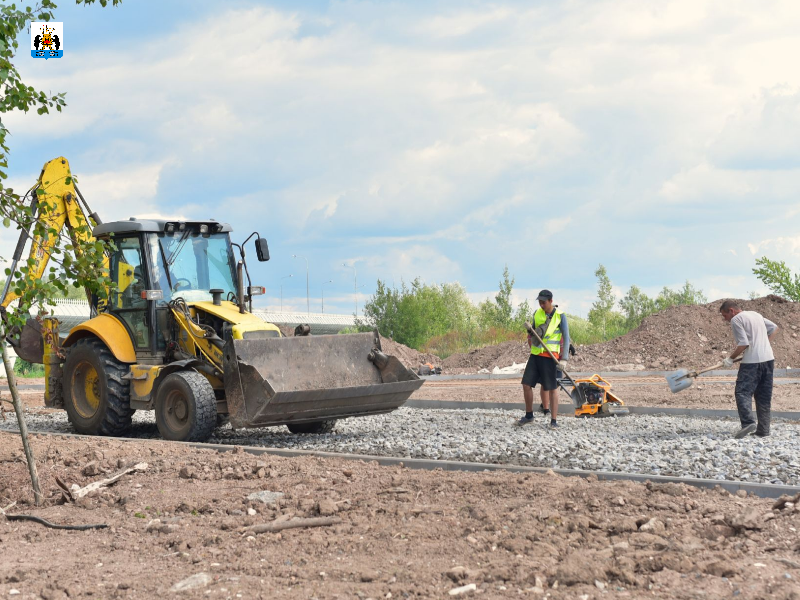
(441, 319)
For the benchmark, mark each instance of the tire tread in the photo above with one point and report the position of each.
(118, 414)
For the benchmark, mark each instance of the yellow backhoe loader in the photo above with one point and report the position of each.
(177, 335)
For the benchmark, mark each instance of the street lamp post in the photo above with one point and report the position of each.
(323, 293)
(282, 278)
(308, 302)
(355, 285)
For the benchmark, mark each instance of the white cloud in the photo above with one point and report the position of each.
(787, 247)
(434, 140)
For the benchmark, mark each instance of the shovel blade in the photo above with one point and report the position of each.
(679, 380)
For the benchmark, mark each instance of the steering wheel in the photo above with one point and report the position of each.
(177, 283)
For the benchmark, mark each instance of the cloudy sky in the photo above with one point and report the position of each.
(440, 139)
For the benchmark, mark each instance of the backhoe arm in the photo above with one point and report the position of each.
(55, 203)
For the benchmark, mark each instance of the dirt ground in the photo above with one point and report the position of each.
(701, 395)
(401, 533)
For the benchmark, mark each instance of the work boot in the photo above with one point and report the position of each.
(745, 431)
(553, 424)
(545, 411)
(524, 421)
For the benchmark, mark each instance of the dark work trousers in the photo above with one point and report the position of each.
(755, 380)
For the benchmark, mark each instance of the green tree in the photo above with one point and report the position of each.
(604, 319)
(778, 278)
(417, 312)
(80, 263)
(688, 294)
(636, 305)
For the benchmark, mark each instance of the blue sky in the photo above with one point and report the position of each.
(441, 139)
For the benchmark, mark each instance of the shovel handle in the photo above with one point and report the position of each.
(716, 366)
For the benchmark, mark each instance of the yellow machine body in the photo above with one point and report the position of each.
(598, 400)
(159, 343)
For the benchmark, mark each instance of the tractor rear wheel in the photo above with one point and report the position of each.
(186, 407)
(314, 427)
(96, 396)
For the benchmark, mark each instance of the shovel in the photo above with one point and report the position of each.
(682, 379)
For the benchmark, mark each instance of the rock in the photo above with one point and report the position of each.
(266, 497)
(465, 589)
(327, 508)
(252, 512)
(157, 526)
(193, 582)
(623, 525)
(187, 472)
(368, 576)
(669, 488)
(751, 518)
(457, 574)
(653, 526)
(644, 539)
(92, 469)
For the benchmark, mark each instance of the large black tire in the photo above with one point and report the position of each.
(96, 396)
(186, 407)
(315, 427)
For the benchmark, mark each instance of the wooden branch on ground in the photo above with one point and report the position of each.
(12, 505)
(47, 523)
(275, 526)
(76, 492)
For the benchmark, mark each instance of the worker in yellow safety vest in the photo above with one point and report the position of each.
(551, 325)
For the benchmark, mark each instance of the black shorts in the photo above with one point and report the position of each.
(541, 369)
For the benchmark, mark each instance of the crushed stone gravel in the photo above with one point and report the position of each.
(677, 446)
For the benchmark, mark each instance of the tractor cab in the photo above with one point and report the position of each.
(159, 262)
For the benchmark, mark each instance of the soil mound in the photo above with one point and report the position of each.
(408, 356)
(692, 336)
(488, 357)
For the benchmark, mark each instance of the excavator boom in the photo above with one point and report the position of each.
(56, 203)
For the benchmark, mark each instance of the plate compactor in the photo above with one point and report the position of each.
(592, 397)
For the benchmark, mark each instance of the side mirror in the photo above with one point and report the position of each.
(262, 250)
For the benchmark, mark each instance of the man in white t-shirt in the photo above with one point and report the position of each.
(752, 334)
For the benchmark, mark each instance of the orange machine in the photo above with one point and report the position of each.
(592, 397)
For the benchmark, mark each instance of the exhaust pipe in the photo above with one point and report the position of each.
(240, 286)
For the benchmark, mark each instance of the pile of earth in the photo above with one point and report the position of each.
(681, 336)
(487, 358)
(411, 358)
(692, 337)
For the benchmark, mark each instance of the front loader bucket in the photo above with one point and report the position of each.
(276, 381)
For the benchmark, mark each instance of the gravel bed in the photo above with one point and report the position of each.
(676, 446)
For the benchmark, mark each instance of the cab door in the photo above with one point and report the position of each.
(128, 270)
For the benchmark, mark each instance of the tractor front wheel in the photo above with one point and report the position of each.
(186, 407)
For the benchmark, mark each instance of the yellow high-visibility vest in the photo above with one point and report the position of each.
(552, 337)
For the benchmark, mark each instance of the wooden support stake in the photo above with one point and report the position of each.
(23, 427)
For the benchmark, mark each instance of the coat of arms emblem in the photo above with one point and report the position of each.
(47, 40)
